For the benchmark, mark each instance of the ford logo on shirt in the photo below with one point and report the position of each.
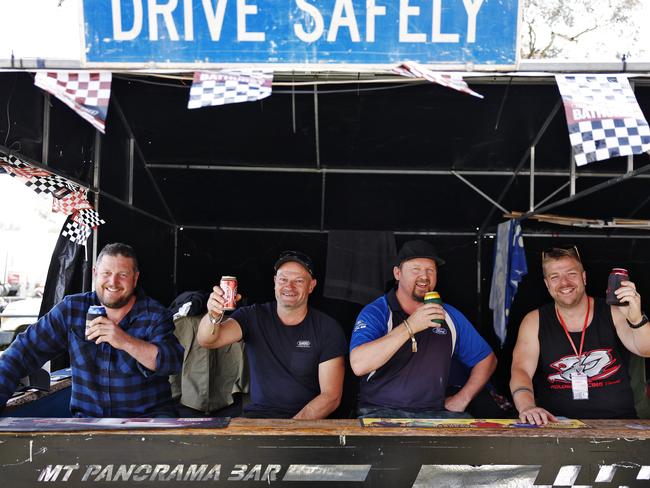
(303, 344)
(439, 330)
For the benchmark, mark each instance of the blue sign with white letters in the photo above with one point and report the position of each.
(317, 32)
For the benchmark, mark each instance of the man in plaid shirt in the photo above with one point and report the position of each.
(122, 369)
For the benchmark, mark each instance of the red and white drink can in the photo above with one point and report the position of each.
(229, 286)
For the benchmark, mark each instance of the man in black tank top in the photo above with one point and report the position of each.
(571, 356)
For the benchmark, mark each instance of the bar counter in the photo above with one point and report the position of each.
(331, 453)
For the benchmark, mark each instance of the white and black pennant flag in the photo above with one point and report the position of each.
(210, 88)
(411, 69)
(604, 118)
(85, 92)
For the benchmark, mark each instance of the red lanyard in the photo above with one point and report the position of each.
(566, 331)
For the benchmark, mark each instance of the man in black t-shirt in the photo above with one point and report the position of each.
(295, 352)
(576, 350)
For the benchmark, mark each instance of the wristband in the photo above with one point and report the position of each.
(414, 344)
(522, 388)
(644, 320)
(214, 321)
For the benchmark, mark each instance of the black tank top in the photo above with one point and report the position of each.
(606, 365)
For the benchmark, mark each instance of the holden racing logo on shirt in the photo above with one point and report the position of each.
(597, 365)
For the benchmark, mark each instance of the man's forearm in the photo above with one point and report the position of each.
(479, 376)
(143, 352)
(521, 388)
(641, 339)
(319, 407)
(523, 399)
(207, 334)
(373, 355)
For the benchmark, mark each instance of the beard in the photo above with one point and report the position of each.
(417, 297)
(420, 297)
(117, 303)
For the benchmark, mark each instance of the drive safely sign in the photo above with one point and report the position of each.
(379, 32)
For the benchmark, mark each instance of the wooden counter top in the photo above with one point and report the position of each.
(241, 427)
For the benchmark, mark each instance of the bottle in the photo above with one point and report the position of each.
(614, 283)
(434, 297)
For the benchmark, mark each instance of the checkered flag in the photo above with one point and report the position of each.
(56, 185)
(411, 69)
(13, 166)
(210, 88)
(6, 161)
(87, 93)
(603, 116)
(67, 197)
(28, 173)
(79, 227)
(71, 203)
(88, 217)
(76, 232)
(38, 179)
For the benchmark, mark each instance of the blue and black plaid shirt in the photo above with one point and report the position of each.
(106, 382)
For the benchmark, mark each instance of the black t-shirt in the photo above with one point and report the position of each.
(606, 365)
(284, 359)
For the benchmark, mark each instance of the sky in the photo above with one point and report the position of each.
(40, 29)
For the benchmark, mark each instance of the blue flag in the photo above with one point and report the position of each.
(509, 269)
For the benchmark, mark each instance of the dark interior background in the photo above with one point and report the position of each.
(197, 223)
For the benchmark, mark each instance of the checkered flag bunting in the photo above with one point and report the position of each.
(211, 88)
(85, 92)
(28, 173)
(76, 232)
(88, 217)
(68, 197)
(55, 185)
(13, 166)
(603, 117)
(455, 81)
(38, 179)
(71, 202)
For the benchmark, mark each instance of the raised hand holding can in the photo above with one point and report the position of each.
(229, 286)
(94, 311)
(434, 297)
(616, 276)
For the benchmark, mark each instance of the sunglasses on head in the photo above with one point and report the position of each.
(560, 252)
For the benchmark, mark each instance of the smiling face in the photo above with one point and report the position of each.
(415, 278)
(293, 285)
(565, 280)
(115, 280)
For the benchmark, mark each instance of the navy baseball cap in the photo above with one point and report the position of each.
(297, 257)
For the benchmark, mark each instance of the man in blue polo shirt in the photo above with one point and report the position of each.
(121, 364)
(404, 357)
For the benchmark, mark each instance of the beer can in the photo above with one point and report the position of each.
(434, 297)
(94, 311)
(229, 286)
(614, 283)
